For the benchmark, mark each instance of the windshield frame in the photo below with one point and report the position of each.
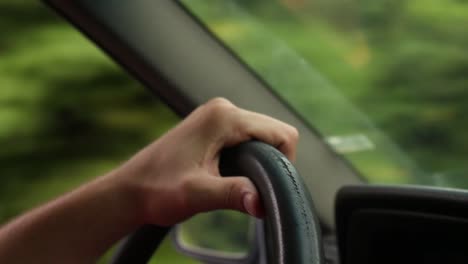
(186, 76)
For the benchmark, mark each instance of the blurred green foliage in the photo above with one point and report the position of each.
(67, 112)
(394, 71)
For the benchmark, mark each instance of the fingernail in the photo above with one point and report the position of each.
(248, 202)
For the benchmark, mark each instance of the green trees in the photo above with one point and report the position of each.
(419, 79)
(67, 113)
(357, 67)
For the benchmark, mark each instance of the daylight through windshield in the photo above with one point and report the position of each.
(382, 81)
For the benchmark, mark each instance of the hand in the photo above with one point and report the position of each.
(177, 176)
(168, 181)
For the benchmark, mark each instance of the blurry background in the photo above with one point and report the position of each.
(67, 113)
(384, 82)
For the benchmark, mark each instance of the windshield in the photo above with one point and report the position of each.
(384, 82)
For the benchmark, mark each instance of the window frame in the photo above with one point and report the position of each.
(185, 65)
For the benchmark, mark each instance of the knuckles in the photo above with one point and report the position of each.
(293, 134)
(219, 101)
(218, 112)
(220, 105)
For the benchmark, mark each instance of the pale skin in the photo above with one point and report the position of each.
(168, 181)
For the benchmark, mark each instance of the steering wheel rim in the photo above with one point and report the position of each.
(292, 230)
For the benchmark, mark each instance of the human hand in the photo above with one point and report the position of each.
(177, 176)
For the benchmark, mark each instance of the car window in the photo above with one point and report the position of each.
(67, 112)
(384, 82)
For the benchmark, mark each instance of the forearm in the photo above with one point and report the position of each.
(163, 184)
(75, 228)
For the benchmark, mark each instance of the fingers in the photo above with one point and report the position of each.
(234, 125)
(236, 193)
(272, 131)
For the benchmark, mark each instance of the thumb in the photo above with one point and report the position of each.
(237, 193)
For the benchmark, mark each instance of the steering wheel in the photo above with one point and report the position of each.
(292, 231)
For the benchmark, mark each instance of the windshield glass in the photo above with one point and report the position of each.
(384, 82)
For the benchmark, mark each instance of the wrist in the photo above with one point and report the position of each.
(125, 198)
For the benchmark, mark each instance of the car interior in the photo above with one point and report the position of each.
(353, 195)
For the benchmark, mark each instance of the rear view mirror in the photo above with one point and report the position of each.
(402, 225)
(223, 234)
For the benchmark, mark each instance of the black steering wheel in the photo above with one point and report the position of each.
(292, 231)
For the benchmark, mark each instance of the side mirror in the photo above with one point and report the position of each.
(222, 235)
